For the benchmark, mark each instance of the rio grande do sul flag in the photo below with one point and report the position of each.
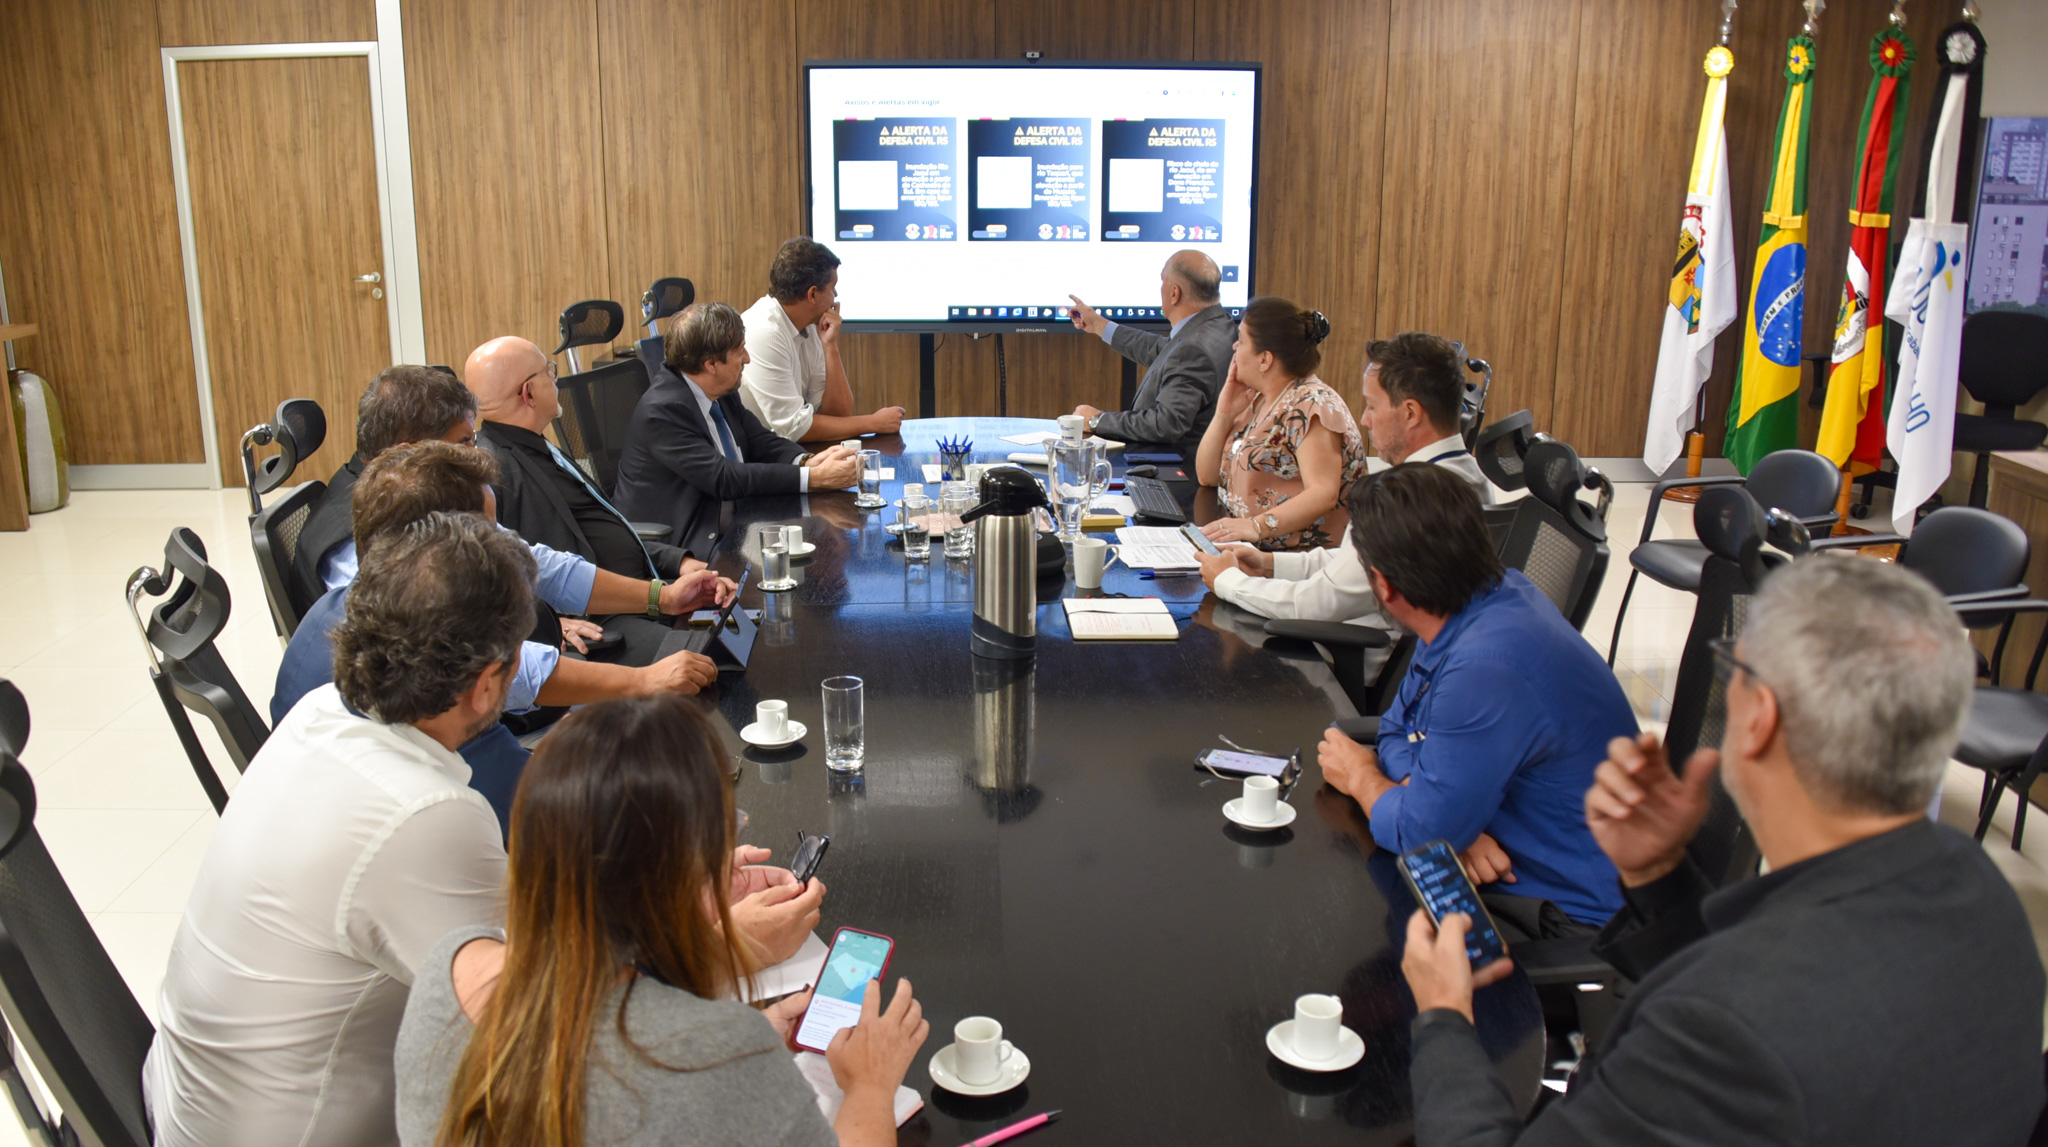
(1702, 295)
(1852, 426)
(1764, 414)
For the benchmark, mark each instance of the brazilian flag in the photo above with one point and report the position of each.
(1764, 415)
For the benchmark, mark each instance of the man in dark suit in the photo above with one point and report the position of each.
(1185, 367)
(402, 404)
(1880, 985)
(693, 445)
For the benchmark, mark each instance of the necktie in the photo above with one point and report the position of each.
(732, 452)
(577, 473)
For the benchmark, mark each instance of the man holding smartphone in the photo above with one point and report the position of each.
(1880, 985)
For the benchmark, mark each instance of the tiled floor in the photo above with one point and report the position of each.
(128, 823)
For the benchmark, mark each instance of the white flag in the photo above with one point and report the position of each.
(1701, 303)
(1928, 303)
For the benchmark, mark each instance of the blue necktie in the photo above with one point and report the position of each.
(724, 433)
(576, 471)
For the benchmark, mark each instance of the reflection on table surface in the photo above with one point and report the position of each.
(1037, 840)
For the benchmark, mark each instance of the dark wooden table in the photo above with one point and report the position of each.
(1038, 842)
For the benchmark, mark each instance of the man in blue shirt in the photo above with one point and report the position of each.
(1503, 716)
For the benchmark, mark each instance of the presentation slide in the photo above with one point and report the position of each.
(1022, 185)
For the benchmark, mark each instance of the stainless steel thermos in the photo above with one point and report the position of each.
(1006, 564)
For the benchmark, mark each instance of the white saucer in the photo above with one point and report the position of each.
(752, 735)
(1014, 1071)
(1283, 815)
(1280, 1041)
(805, 550)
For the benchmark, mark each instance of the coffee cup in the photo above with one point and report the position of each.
(792, 538)
(1261, 799)
(979, 1050)
(771, 718)
(1090, 555)
(1316, 1020)
(852, 445)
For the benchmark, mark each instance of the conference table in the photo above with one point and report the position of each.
(1037, 840)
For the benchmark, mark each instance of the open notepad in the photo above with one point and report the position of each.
(1120, 619)
(1155, 548)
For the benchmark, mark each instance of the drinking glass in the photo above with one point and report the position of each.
(775, 566)
(870, 496)
(1080, 473)
(954, 501)
(845, 721)
(917, 528)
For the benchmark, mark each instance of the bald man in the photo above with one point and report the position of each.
(1185, 367)
(548, 499)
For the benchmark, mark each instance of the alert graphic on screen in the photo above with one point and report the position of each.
(896, 179)
(855, 959)
(1030, 180)
(1164, 182)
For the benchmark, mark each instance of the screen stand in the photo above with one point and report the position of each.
(927, 376)
(1130, 386)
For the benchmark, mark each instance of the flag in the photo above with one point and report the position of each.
(1702, 294)
(1929, 302)
(1852, 426)
(1764, 415)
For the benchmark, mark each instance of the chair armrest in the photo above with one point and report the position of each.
(1564, 960)
(1364, 730)
(1821, 521)
(1658, 491)
(650, 531)
(1999, 596)
(1855, 541)
(1335, 634)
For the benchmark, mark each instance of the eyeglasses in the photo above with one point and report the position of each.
(550, 370)
(1725, 662)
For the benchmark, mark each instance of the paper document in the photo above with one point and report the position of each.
(1120, 619)
(1155, 548)
(933, 472)
(818, 1071)
(1115, 504)
(1029, 459)
(792, 975)
(1031, 437)
(885, 474)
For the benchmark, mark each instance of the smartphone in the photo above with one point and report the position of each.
(1440, 885)
(1200, 540)
(1235, 764)
(809, 851)
(855, 958)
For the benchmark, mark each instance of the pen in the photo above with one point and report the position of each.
(1014, 1129)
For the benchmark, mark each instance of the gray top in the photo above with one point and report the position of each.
(721, 1076)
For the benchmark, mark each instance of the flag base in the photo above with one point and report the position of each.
(1695, 460)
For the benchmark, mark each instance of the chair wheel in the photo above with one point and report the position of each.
(1859, 512)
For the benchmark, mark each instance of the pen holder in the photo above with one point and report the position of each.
(953, 459)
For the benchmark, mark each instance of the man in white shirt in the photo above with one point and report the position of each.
(796, 384)
(1414, 385)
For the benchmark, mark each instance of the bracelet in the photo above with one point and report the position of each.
(654, 598)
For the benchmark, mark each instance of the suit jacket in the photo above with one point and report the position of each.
(331, 522)
(1184, 375)
(673, 470)
(531, 501)
(1886, 992)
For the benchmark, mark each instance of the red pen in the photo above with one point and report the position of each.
(1014, 1129)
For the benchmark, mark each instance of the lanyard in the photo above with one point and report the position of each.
(1447, 454)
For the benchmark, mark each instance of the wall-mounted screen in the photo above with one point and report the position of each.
(978, 196)
(2009, 256)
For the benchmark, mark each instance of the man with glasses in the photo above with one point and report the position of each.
(796, 384)
(1498, 724)
(1880, 985)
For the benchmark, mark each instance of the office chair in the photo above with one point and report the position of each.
(666, 297)
(597, 410)
(2004, 365)
(1472, 410)
(297, 429)
(592, 322)
(185, 666)
(1800, 482)
(62, 996)
(1500, 448)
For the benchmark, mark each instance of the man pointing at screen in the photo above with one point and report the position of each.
(1185, 367)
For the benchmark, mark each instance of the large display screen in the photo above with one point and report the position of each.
(979, 196)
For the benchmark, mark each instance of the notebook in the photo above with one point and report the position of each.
(1120, 619)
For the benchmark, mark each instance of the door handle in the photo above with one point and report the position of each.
(372, 277)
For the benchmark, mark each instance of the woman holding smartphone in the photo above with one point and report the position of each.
(604, 1013)
(1283, 447)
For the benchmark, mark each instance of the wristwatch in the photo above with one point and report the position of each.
(1092, 420)
(1269, 525)
(654, 598)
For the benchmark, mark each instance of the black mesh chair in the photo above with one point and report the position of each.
(664, 298)
(1800, 482)
(297, 429)
(62, 996)
(1500, 448)
(1472, 410)
(592, 322)
(597, 409)
(2004, 365)
(184, 665)
(1555, 539)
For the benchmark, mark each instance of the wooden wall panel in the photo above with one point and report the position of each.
(509, 173)
(188, 22)
(1634, 115)
(90, 233)
(1324, 104)
(1474, 188)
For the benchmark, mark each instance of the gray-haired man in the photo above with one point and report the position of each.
(1879, 985)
